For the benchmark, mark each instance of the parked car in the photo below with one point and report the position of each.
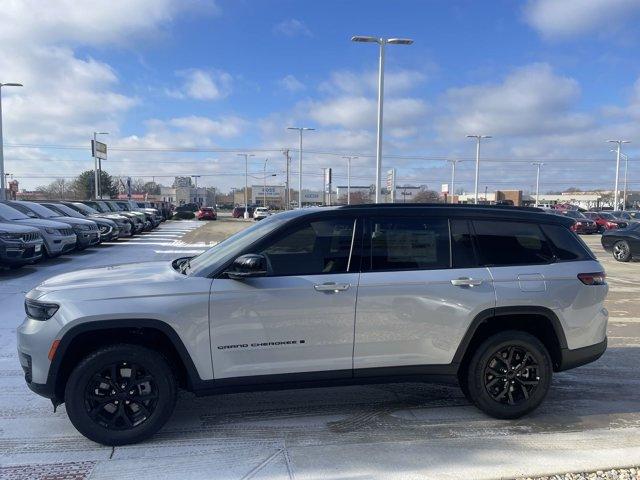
(207, 213)
(582, 224)
(497, 297)
(623, 243)
(107, 228)
(626, 216)
(58, 237)
(146, 207)
(139, 218)
(86, 231)
(128, 207)
(19, 245)
(605, 221)
(123, 223)
(238, 212)
(260, 213)
(102, 207)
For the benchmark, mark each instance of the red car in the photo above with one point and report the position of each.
(582, 223)
(207, 213)
(605, 221)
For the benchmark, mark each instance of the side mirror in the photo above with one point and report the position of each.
(248, 266)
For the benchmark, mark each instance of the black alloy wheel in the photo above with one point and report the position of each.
(511, 375)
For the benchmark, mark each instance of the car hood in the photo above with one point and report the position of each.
(109, 277)
(13, 228)
(75, 221)
(42, 223)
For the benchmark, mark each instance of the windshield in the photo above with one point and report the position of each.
(98, 207)
(85, 208)
(63, 210)
(42, 212)
(607, 216)
(202, 264)
(124, 206)
(8, 213)
(573, 214)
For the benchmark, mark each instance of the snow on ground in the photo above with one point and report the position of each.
(590, 421)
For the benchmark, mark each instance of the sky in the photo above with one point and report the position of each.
(183, 86)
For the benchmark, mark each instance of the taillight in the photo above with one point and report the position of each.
(597, 278)
(612, 225)
(573, 227)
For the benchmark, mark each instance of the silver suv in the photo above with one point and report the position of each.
(499, 297)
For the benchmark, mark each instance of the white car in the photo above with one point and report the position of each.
(498, 297)
(261, 213)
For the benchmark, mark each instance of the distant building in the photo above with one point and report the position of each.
(183, 191)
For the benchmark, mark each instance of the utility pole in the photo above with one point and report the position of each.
(287, 191)
(626, 171)
(3, 191)
(349, 158)
(300, 129)
(478, 139)
(618, 150)
(453, 176)
(264, 187)
(537, 165)
(382, 42)
(97, 167)
(246, 181)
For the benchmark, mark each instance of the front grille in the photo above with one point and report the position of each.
(93, 227)
(66, 231)
(30, 237)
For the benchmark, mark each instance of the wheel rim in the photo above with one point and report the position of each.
(620, 250)
(121, 396)
(511, 376)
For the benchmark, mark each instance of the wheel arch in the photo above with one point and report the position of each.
(541, 322)
(82, 339)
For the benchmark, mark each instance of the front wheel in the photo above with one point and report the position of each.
(509, 374)
(120, 394)
(622, 251)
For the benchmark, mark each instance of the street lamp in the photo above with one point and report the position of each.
(300, 129)
(478, 139)
(349, 158)
(97, 167)
(453, 176)
(195, 198)
(3, 193)
(537, 165)
(246, 181)
(264, 187)
(382, 42)
(626, 171)
(619, 145)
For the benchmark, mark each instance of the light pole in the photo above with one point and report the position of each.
(264, 187)
(537, 165)
(3, 192)
(287, 191)
(246, 181)
(453, 176)
(478, 139)
(349, 158)
(382, 42)
(619, 145)
(195, 198)
(626, 171)
(97, 168)
(300, 129)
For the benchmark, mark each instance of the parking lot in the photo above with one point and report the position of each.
(590, 421)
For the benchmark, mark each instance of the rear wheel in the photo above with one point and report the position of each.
(622, 251)
(509, 374)
(120, 394)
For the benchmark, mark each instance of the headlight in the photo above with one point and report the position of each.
(81, 227)
(51, 231)
(40, 310)
(10, 236)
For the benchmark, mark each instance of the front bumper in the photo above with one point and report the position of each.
(581, 356)
(57, 245)
(20, 253)
(86, 238)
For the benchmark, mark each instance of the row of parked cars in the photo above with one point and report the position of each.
(30, 231)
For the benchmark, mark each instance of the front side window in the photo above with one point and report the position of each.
(314, 248)
(417, 243)
(462, 250)
(511, 243)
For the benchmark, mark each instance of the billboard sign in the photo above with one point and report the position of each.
(445, 188)
(99, 149)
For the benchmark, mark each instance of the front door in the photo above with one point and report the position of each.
(300, 318)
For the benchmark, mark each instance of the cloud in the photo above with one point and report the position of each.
(292, 28)
(203, 85)
(532, 100)
(569, 18)
(360, 83)
(291, 84)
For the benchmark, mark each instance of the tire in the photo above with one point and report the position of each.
(601, 230)
(622, 251)
(485, 389)
(121, 412)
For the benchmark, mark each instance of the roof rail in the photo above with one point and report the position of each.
(441, 205)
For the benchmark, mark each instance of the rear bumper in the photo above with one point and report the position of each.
(581, 356)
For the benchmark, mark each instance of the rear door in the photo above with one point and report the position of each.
(300, 319)
(419, 290)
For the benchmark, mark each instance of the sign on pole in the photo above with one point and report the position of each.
(99, 149)
(445, 188)
(391, 184)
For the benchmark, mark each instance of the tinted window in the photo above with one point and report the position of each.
(566, 244)
(314, 248)
(409, 244)
(8, 213)
(462, 252)
(512, 243)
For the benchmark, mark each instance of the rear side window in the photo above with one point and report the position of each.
(566, 244)
(415, 243)
(512, 243)
(462, 251)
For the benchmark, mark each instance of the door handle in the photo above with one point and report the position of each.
(332, 287)
(466, 282)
